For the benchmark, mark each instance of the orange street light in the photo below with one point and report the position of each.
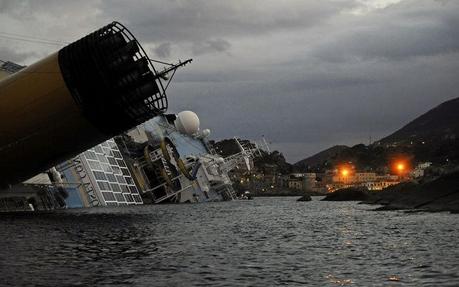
(344, 172)
(401, 168)
(401, 165)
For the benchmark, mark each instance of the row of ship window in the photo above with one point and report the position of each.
(108, 176)
(98, 153)
(103, 185)
(95, 165)
(121, 198)
(110, 144)
(99, 159)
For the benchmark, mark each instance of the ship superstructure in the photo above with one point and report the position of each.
(173, 162)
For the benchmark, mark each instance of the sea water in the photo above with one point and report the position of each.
(263, 242)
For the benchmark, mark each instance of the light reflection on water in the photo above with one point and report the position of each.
(264, 242)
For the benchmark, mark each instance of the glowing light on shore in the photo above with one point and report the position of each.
(401, 166)
(345, 172)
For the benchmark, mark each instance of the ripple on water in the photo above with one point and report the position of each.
(264, 242)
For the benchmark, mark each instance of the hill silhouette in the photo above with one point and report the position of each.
(441, 122)
(320, 157)
(433, 136)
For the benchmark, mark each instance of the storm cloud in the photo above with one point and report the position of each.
(305, 74)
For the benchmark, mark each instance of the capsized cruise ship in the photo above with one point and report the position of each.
(61, 117)
(167, 159)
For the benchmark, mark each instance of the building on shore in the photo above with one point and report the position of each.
(344, 178)
(295, 181)
(419, 170)
(302, 181)
(379, 185)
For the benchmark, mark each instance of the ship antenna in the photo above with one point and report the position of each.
(171, 68)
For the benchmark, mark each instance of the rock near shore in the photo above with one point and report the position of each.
(348, 194)
(305, 197)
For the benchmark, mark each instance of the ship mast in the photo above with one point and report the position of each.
(170, 68)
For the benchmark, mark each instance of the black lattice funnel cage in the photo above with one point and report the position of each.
(112, 79)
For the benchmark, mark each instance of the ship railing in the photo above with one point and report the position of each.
(171, 194)
(168, 194)
(234, 160)
(225, 190)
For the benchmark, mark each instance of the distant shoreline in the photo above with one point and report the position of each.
(437, 195)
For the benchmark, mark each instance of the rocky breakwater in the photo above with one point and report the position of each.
(348, 194)
(440, 194)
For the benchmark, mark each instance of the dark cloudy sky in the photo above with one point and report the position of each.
(306, 74)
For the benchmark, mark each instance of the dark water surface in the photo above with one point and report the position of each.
(264, 242)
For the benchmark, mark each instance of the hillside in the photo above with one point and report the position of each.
(371, 158)
(440, 122)
(320, 157)
(433, 136)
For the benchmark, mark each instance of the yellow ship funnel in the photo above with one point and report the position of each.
(84, 94)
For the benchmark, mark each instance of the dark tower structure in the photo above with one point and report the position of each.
(80, 96)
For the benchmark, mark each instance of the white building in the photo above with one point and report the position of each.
(379, 185)
(418, 171)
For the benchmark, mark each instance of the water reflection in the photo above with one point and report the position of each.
(265, 242)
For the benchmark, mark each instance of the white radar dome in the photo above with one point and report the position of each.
(187, 122)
